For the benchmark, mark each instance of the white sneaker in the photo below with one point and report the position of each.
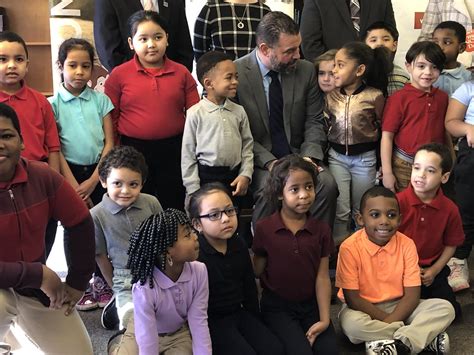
(385, 346)
(459, 277)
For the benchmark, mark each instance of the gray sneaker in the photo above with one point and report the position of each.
(440, 344)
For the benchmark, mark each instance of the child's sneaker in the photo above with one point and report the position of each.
(386, 347)
(88, 301)
(459, 277)
(102, 292)
(109, 318)
(440, 344)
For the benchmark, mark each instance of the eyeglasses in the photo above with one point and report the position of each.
(217, 215)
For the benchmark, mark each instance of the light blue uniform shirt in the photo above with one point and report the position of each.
(465, 95)
(80, 124)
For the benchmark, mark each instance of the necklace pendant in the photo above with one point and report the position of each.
(240, 25)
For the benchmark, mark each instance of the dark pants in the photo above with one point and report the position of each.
(440, 289)
(242, 333)
(291, 320)
(163, 158)
(464, 186)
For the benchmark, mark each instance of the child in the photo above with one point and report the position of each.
(355, 112)
(414, 115)
(86, 135)
(217, 142)
(451, 37)
(324, 65)
(233, 305)
(291, 258)
(383, 34)
(171, 291)
(379, 277)
(30, 195)
(150, 94)
(460, 123)
(432, 220)
(122, 172)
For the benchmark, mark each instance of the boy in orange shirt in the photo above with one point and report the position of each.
(379, 277)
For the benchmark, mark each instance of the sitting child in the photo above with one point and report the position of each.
(379, 277)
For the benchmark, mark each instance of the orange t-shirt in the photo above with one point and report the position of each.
(379, 273)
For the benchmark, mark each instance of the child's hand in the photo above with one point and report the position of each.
(86, 187)
(316, 329)
(241, 184)
(390, 182)
(72, 296)
(470, 136)
(427, 276)
(52, 286)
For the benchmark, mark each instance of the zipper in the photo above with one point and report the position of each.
(12, 197)
(346, 123)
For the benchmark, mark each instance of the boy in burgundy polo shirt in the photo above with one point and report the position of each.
(432, 220)
(413, 115)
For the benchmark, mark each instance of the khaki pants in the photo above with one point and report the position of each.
(177, 343)
(430, 318)
(402, 171)
(50, 330)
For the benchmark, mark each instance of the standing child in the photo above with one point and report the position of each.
(460, 123)
(86, 135)
(432, 220)
(379, 280)
(292, 260)
(217, 142)
(151, 94)
(414, 115)
(355, 111)
(171, 291)
(324, 65)
(233, 304)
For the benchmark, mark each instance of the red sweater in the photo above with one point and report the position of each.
(34, 195)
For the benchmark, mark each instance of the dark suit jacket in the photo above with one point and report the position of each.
(111, 31)
(326, 24)
(302, 116)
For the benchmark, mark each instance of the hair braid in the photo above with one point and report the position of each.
(150, 242)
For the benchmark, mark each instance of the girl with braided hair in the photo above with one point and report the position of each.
(171, 291)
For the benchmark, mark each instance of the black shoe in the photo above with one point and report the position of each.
(110, 319)
(440, 344)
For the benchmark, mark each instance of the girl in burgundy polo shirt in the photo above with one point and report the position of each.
(292, 260)
(151, 94)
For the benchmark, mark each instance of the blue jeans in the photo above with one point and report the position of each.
(122, 287)
(354, 174)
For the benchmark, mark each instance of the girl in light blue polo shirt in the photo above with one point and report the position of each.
(86, 134)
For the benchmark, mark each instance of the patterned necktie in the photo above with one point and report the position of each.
(149, 5)
(355, 14)
(280, 146)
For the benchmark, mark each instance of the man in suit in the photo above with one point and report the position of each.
(111, 30)
(328, 24)
(301, 130)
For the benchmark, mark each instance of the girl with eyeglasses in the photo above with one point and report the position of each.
(233, 312)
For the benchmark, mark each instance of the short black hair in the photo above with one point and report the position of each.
(123, 157)
(9, 113)
(143, 16)
(209, 61)
(9, 36)
(459, 30)
(443, 152)
(381, 25)
(272, 25)
(376, 191)
(194, 206)
(430, 50)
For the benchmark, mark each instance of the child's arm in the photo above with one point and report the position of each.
(250, 301)
(241, 182)
(455, 124)
(406, 305)
(189, 162)
(54, 161)
(323, 297)
(105, 267)
(259, 264)
(146, 329)
(66, 171)
(357, 303)
(386, 148)
(428, 274)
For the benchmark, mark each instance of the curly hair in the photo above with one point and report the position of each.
(123, 157)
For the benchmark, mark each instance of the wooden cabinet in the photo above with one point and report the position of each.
(30, 19)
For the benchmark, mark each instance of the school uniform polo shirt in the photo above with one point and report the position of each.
(432, 226)
(150, 104)
(415, 117)
(292, 259)
(80, 121)
(379, 273)
(38, 127)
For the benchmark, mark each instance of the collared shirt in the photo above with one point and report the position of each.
(432, 226)
(231, 278)
(36, 117)
(80, 121)
(150, 104)
(155, 4)
(266, 79)
(415, 117)
(379, 273)
(168, 305)
(292, 259)
(451, 79)
(465, 95)
(114, 224)
(215, 135)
